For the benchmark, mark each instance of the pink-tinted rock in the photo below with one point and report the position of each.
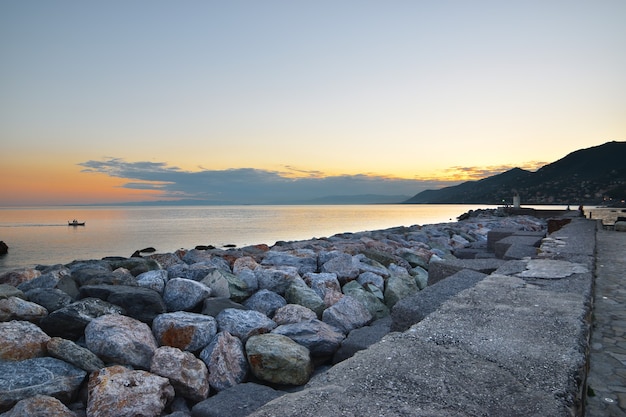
(184, 330)
(120, 392)
(187, 374)
(21, 340)
(226, 359)
(40, 405)
(293, 313)
(245, 262)
(15, 308)
(19, 276)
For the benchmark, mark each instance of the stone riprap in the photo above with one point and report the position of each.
(181, 333)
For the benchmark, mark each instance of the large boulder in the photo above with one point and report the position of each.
(184, 294)
(344, 266)
(305, 260)
(21, 340)
(347, 314)
(244, 323)
(300, 293)
(121, 339)
(155, 280)
(318, 337)
(399, 285)
(121, 392)
(70, 352)
(238, 401)
(143, 304)
(4, 248)
(40, 405)
(51, 299)
(134, 265)
(218, 283)
(38, 376)
(49, 279)
(15, 308)
(323, 283)
(184, 330)
(293, 313)
(277, 359)
(70, 322)
(265, 301)
(226, 360)
(187, 374)
(372, 303)
(276, 280)
(19, 276)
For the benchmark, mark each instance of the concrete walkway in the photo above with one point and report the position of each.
(607, 374)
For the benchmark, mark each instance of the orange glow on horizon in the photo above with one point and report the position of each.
(40, 184)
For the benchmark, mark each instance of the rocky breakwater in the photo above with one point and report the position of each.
(210, 332)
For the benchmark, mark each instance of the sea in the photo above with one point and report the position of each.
(41, 235)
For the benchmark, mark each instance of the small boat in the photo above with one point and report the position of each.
(75, 223)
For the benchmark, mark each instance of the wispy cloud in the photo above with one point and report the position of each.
(257, 186)
(461, 173)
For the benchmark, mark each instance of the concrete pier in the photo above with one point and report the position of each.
(515, 343)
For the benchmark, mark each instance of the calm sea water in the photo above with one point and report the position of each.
(42, 236)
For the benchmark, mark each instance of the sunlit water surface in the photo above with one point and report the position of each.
(42, 236)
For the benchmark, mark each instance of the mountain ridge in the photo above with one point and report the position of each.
(595, 175)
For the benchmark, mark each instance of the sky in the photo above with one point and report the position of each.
(257, 101)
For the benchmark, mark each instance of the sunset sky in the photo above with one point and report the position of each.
(252, 101)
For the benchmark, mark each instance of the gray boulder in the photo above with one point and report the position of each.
(277, 359)
(238, 401)
(275, 280)
(154, 280)
(215, 305)
(184, 330)
(372, 303)
(347, 314)
(226, 360)
(249, 279)
(7, 291)
(46, 280)
(244, 323)
(299, 293)
(136, 266)
(318, 337)
(399, 286)
(362, 338)
(187, 374)
(265, 301)
(305, 260)
(38, 376)
(143, 304)
(15, 308)
(293, 313)
(39, 405)
(121, 339)
(51, 299)
(70, 352)
(69, 322)
(216, 280)
(184, 294)
(344, 266)
(371, 278)
(322, 283)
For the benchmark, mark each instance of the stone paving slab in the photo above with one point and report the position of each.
(607, 373)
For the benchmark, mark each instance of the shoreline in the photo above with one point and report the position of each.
(377, 268)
